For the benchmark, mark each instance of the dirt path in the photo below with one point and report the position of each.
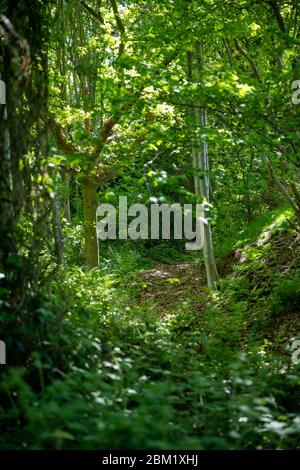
(167, 288)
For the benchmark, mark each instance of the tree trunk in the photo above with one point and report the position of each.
(66, 196)
(56, 228)
(89, 188)
(201, 165)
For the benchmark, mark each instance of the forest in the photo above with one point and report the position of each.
(150, 225)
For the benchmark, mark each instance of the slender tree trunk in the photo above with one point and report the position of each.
(56, 228)
(89, 187)
(66, 197)
(201, 166)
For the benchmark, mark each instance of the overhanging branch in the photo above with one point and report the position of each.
(249, 59)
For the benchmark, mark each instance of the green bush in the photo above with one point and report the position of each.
(286, 295)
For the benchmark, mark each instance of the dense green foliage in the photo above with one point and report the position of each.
(137, 351)
(161, 376)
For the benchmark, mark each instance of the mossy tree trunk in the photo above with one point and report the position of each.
(89, 188)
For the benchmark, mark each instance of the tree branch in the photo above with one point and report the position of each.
(249, 59)
(120, 26)
(111, 122)
(228, 51)
(97, 15)
(282, 188)
(58, 132)
(275, 7)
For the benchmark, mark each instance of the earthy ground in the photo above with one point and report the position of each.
(169, 287)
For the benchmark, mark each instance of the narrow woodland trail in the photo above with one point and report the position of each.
(167, 288)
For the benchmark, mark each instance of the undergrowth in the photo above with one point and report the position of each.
(124, 377)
